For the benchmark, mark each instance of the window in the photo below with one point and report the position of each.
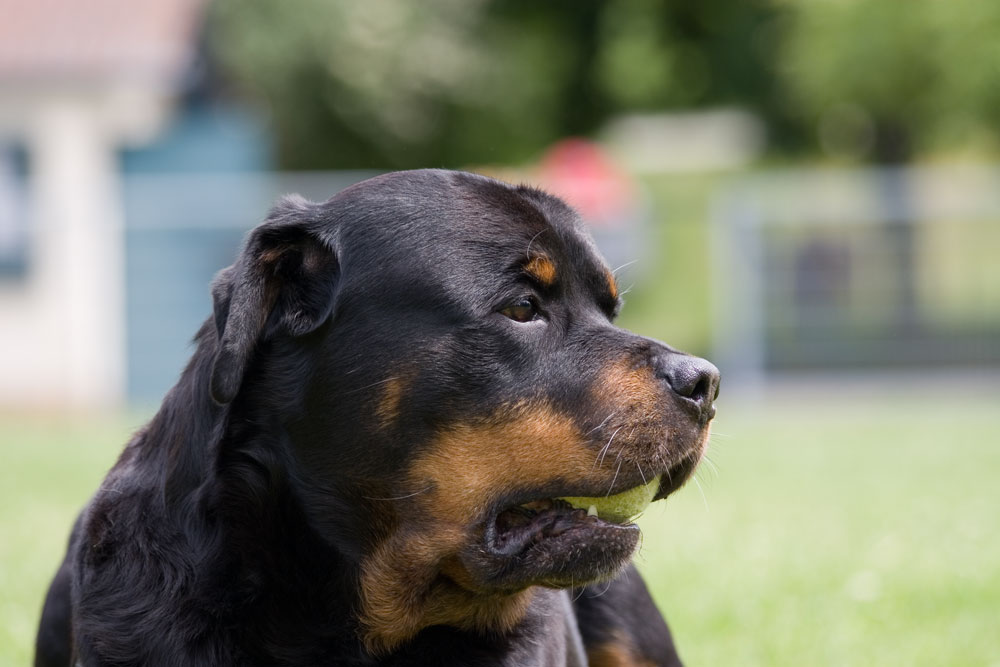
(13, 212)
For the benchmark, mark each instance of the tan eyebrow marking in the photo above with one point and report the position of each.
(541, 269)
(612, 283)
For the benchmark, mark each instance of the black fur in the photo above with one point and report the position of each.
(234, 527)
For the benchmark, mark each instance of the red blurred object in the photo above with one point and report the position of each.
(580, 172)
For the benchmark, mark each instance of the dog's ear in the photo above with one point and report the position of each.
(284, 282)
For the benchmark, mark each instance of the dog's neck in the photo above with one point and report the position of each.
(547, 635)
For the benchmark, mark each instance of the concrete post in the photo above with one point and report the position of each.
(79, 251)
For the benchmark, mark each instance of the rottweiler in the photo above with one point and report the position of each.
(393, 445)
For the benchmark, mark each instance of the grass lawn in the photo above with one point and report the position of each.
(826, 530)
(835, 532)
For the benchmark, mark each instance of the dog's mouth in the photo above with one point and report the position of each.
(561, 541)
(521, 525)
(564, 540)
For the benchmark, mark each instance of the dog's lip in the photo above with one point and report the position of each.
(516, 527)
(519, 528)
(671, 479)
(556, 549)
(532, 537)
(527, 499)
(506, 537)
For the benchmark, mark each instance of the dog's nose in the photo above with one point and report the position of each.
(694, 379)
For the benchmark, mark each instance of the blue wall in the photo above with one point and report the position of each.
(188, 201)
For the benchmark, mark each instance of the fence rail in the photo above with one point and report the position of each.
(857, 269)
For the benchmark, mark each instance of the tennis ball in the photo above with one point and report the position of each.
(620, 507)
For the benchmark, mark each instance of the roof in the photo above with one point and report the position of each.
(97, 39)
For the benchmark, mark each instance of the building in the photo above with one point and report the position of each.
(78, 82)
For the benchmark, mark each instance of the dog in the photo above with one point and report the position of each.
(381, 451)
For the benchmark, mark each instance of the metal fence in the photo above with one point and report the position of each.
(866, 269)
(813, 270)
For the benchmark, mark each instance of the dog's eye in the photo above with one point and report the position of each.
(524, 310)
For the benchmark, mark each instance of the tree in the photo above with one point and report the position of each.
(393, 83)
(883, 79)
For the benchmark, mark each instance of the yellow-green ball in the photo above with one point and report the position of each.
(620, 507)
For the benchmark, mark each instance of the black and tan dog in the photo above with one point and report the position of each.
(365, 461)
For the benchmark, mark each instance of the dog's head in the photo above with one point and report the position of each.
(440, 352)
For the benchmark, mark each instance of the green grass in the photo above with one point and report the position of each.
(830, 531)
(837, 533)
(50, 466)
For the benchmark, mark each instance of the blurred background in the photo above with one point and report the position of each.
(805, 192)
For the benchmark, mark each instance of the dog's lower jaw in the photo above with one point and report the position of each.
(413, 581)
(396, 608)
(449, 574)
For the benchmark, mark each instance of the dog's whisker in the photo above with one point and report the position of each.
(614, 479)
(606, 589)
(641, 474)
(527, 252)
(701, 491)
(613, 413)
(621, 450)
(614, 272)
(604, 450)
(619, 460)
(408, 495)
(369, 386)
(711, 464)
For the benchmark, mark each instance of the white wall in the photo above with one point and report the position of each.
(62, 325)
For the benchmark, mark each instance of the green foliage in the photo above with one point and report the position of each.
(919, 75)
(392, 83)
(398, 84)
(668, 291)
